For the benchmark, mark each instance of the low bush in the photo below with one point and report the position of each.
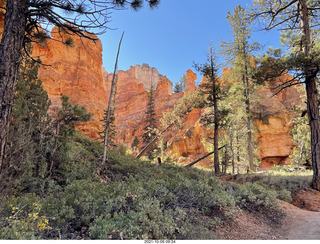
(134, 199)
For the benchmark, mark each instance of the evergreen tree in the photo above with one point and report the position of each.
(150, 128)
(181, 84)
(301, 133)
(239, 52)
(214, 91)
(135, 143)
(69, 115)
(297, 20)
(29, 138)
(33, 137)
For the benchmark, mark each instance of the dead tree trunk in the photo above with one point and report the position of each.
(10, 55)
(203, 157)
(109, 105)
(154, 139)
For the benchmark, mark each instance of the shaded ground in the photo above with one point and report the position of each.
(302, 222)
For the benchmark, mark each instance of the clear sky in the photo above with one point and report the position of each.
(173, 36)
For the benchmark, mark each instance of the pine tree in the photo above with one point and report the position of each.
(239, 52)
(214, 92)
(69, 115)
(135, 143)
(180, 85)
(298, 21)
(29, 139)
(150, 128)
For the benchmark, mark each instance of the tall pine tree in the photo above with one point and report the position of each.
(239, 52)
(214, 91)
(298, 22)
(151, 127)
(29, 138)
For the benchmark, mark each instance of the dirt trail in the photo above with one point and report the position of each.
(300, 224)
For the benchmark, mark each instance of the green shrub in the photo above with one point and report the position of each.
(148, 221)
(21, 218)
(253, 196)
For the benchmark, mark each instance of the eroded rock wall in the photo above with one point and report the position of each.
(74, 71)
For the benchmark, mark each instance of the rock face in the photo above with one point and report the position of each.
(273, 122)
(74, 71)
(132, 99)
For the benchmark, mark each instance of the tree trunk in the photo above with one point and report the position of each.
(312, 97)
(104, 157)
(203, 157)
(313, 115)
(248, 119)
(10, 55)
(232, 152)
(216, 139)
(154, 139)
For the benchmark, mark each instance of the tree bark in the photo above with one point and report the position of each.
(248, 119)
(313, 115)
(10, 57)
(232, 152)
(312, 96)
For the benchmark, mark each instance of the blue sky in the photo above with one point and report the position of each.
(172, 36)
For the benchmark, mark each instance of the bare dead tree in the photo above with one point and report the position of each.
(203, 157)
(109, 104)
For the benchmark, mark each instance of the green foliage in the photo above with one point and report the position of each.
(71, 114)
(139, 200)
(29, 138)
(148, 221)
(241, 95)
(253, 196)
(21, 218)
(36, 143)
(77, 157)
(150, 130)
(135, 142)
(184, 106)
(281, 178)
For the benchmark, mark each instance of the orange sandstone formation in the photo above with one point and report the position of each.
(273, 122)
(74, 71)
(132, 99)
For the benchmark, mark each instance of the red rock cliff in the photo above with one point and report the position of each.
(74, 71)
